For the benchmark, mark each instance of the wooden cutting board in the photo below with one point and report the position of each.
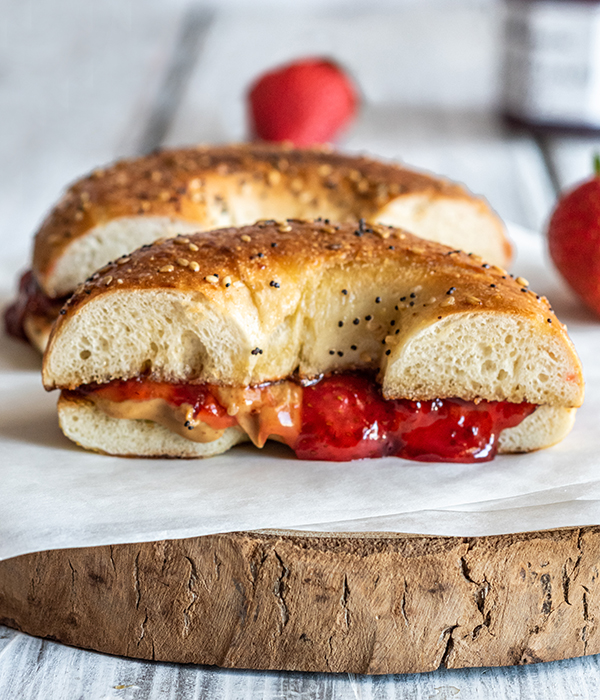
(370, 603)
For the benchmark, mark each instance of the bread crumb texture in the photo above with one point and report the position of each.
(305, 298)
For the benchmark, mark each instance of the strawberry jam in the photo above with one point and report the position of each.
(345, 417)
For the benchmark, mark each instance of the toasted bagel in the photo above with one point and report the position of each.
(134, 202)
(263, 303)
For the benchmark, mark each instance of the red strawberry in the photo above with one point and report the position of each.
(306, 102)
(574, 239)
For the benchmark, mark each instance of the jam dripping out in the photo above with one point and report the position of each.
(345, 417)
(31, 299)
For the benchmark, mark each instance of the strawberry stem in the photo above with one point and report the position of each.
(597, 164)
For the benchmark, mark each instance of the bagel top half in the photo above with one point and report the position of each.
(240, 307)
(133, 202)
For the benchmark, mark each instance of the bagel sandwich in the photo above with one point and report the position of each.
(134, 202)
(341, 341)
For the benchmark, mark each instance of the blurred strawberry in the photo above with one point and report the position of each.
(306, 102)
(574, 239)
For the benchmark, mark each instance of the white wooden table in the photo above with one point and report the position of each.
(82, 83)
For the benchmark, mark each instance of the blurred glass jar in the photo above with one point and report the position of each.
(551, 69)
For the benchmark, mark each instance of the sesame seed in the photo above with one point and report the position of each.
(485, 266)
(524, 289)
(274, 177)
(63, 312)
(332, 352)
(522, 281)
(396, 307)
(193, 247)
(493, 286)
(451, 290)
(474, 301)
(391, 247)
(194, 267)
(344, 292)
(284, 228)
(123, 261)
(450, 301)
(119, 281)
(213, 279)
(182, 262)
(167, 268)
(108, 280)
(368, 317)
(356, 321)
(227, 281)
(377, 300)
(412, 303)
(388, 352)
(365, 357)
(273, 245)
(353, 347)
(549, 320)
(245, 238)
(257, 351)
(275, 284)
(392, 322)
(340, 353)
(340, 324)
(413, 295)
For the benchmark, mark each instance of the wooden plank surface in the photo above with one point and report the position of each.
(78, 79)
(370, 603)
(78, 90)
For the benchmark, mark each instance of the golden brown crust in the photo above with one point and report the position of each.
(269, 256)
(173, 183)
(202, 262)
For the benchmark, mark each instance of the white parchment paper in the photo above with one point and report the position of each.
(53, 494)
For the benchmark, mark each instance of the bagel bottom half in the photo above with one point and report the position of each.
(88, 426)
